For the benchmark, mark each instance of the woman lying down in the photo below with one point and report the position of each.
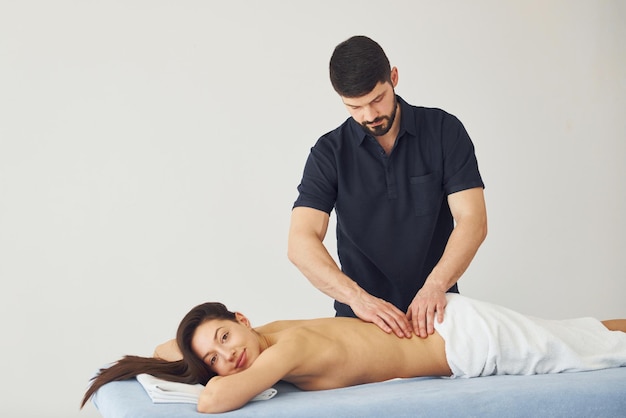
(220, 349)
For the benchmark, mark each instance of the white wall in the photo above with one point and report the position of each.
(150, 153)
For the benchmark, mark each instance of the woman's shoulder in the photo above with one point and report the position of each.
(286, 324)
(276, 326)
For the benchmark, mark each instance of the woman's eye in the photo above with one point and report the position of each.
(212, 360)
(224, 337)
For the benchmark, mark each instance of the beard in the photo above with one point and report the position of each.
(382, 129)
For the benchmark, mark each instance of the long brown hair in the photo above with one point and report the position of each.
(190, 369)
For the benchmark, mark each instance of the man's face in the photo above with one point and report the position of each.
(375, 111)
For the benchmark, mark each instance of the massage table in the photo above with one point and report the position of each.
(600, 393)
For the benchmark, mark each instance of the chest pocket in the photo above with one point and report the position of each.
(426, 193)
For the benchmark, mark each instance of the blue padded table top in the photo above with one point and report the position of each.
(600, 393)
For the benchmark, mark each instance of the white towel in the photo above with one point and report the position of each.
(164, 391)
(484, 339)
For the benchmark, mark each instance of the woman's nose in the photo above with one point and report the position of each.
(228, 354)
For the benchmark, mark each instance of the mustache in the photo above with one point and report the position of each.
(378, 119)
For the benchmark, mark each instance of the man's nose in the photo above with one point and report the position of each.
(369, 114)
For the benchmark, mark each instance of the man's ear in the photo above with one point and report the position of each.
(242, 319)
(394, 76)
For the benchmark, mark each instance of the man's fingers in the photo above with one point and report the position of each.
(430, 320)
(382, 324)
(422, 321)
(440, 311)
(426, 308)
(418, 321)
(396, 322)
(383, 314)
(413, 315)
(421, 324)
(388, 325)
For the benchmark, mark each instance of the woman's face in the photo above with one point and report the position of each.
(227, 347)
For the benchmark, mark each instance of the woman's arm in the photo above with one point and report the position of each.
(168, 351)
(227, 393)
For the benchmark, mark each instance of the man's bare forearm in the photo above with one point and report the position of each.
(470, 215)
(311, 257)
(459, 253)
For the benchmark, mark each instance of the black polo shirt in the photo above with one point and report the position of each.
(393, 218)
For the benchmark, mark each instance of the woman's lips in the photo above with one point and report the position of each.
(242, 360)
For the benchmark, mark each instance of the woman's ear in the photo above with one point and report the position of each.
(241, 318)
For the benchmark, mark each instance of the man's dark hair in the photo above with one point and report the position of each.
(357, 65)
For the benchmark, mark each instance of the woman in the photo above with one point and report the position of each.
(221, 350)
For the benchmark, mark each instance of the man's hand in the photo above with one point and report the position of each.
(382, 313)
(421, 313)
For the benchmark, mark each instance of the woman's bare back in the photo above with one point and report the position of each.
(339, 352)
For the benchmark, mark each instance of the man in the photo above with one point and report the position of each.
(407, 193)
